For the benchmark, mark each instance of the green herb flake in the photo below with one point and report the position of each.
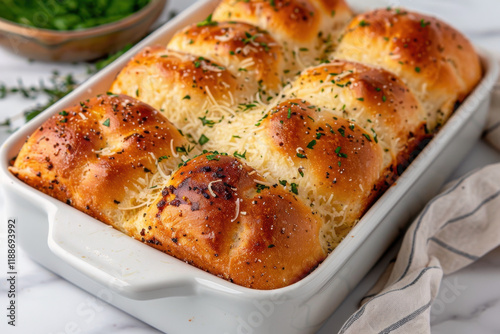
(203, 140)
(187, 97)
(363, 23)
(106, 122)
(206, 122)
(311, 144)
(295, 188)
(212, 157)
(207, 22)
(424, 24)
(261, 187)
(241, 156)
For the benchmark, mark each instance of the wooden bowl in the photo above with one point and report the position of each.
(78, 45)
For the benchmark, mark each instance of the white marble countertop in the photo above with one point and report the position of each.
(468, 302)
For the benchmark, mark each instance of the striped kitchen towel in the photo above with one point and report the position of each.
(455, 229)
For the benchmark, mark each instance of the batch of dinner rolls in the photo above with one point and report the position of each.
(253, 142)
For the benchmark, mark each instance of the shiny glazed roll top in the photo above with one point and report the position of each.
(436, 61)
(373, 98)
(181, 86)
(246, 51)
(219, 215)
(96, 155)
(305, 28)
(338, 164)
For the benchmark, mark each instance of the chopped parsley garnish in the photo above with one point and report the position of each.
(182, 149)
(302, 156)
(311, 144)
(417, 69)
(384, 98)
(64, 113)
(206, 121)
(367, 136)
(360, 99)
(295, 189)
(208, 22)
(250, 37)
(241, 156)
(203, 140)
(106, 122)
(261, 187)
(247, 106)
(212, 157)
(289, 114)
(163, 157)
(424, 24)
(341, 131)
(259, 122)
(318, 135)
(187, 97)
(337, 150)
(363, 23)
(271, 245)
(374, 136)
(282, 182)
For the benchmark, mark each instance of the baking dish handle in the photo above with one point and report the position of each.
(116, 260)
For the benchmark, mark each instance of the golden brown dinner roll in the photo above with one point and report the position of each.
(436, 61)
(245, 50)
(221, 216)
(340, 163)
(305, 28)
(373, 98)
(330, 163)
(100, 155)
(182, 86)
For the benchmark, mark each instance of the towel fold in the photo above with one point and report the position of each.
(456, 228)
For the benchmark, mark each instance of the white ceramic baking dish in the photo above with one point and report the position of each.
(178, 298)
